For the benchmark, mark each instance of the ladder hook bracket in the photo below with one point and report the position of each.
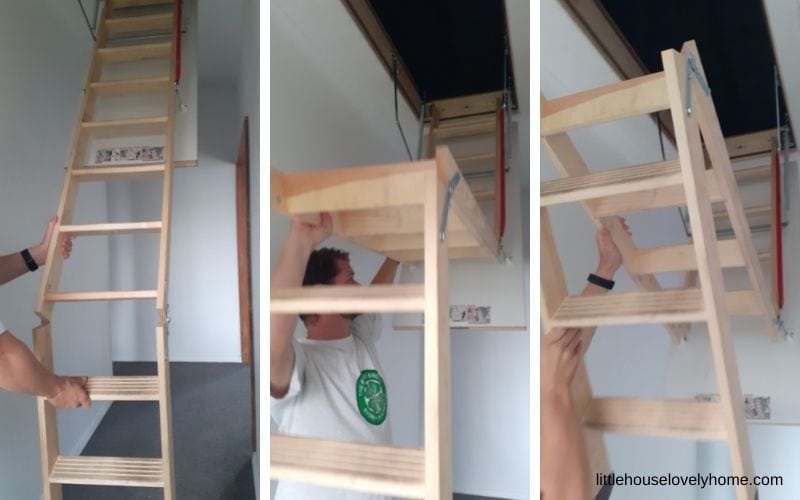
(451, 188)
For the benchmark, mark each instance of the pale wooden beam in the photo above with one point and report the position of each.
(551, 275)
(367, 468)
(327, 299)
(676, 418)
(610, 183)
(662, 197)
(687, 136)
(642, 95)
(436, 352)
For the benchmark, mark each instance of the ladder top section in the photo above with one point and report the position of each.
(382, 207)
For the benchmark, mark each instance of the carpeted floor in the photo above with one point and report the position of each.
(211, 434)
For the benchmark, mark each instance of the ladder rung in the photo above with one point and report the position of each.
(459, 127)
(112, 228)
(746, 174)
(486, 195)
(135, 52)
(123, 4)
(682, 258)
(117, 172)
(123, 388)
(638, 96)
(110, 295)
(135, 126)
(480, 158)
(140, 24)
(611, 182)
(661, 197)
(666, 306)
(135, 86)
(756, 211)
(348, 299)
(362, 467)
(662, 418)
(108, 471)
(471, 252)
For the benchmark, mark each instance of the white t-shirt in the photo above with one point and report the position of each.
(336, 392)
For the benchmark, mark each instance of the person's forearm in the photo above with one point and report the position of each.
(565, 466)
(21, 372)
(592, 289)
(288, 273)
(386, 273)
(13, 266)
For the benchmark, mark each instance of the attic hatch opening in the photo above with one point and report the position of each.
(449, 52)
(735, 46)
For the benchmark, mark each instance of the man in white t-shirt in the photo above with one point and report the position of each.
(328, 385)
(20, 371)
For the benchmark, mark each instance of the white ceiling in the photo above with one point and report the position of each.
(219, 41)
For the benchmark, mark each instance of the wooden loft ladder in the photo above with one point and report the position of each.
(680, 89)
(397, 210)
(58, 469)
(472, 118)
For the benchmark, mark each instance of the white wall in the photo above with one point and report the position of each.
(332, 106)
(203, 279)
(45, 49)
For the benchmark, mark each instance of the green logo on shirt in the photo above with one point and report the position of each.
(371, 397)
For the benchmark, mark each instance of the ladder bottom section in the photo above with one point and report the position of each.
(362, 467)
(108, 471)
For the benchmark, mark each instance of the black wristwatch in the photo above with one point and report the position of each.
(601, 282)
(29, 261)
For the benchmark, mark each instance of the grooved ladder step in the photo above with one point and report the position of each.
(663, 418)
(134, 126)
(135, 52)
(133, 86)
(348, 299)
(108, 471)
(123, 4)
(611, 182)
(140, 24)
(667, 306)
(89, 174)
(361, 467)
(123, 388)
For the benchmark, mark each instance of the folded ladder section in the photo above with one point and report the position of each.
(58, 469)
(663, 184)
(359, 200)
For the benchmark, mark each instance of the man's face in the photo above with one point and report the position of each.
(346, 276)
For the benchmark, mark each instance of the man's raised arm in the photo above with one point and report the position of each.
(289, 272)
(386, 273)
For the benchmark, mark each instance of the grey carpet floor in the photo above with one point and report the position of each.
(211, 434)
